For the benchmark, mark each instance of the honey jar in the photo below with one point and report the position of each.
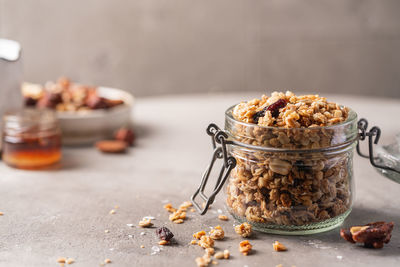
(31, 139)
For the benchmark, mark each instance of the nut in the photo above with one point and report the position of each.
(278, 246)
(243, 229)
(203, 261)
(373, 235)
(245, 247)
(210, 251)
(111, 146)
(125, 135)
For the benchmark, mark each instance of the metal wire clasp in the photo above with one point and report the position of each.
(219, 143)
(373, 138)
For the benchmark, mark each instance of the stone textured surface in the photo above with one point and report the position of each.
(169, 46)
(64, 212)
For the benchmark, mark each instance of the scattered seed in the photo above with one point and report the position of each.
(112, 212)
(193, 242)
(107, 261)
(279, 246)
(192, 210)
(1, 213)
(145, 223)
(179, 221)
(70, 260)
(61, 260)
(141, 246)
(106, 231)
(223, 217)
(130, 225)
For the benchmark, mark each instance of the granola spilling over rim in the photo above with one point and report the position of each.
(290, 111)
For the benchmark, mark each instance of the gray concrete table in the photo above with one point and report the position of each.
(65, 212)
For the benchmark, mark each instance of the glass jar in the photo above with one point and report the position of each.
(295, 180)
(31, 139)
(285, 180)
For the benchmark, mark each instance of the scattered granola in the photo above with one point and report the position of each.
(210, 251)
(206, 242)
(226, 254)
(192, 210)
(106, 231)
(185, 205)
(203, 261)
(141, 246)
(243, 229)
(219, 255)
(1, 213)
(217, 233)
(107, 261)
(223, 217)
(70, 261)
(278, 246)
(199, 234)
(178, 221)
(169, 208)
(145, 223)
(245, 247)
(193, 242)
(373, 235)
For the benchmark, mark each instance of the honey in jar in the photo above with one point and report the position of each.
(31, 139)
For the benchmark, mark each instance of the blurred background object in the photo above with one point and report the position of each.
(152, 47)
(10, 77)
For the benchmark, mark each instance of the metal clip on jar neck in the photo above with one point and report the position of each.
(219, 139)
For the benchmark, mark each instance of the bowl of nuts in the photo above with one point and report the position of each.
(86, 114)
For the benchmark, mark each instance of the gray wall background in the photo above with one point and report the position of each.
(182, 46)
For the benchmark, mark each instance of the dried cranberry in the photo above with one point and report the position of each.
(274, 107)
(164, 233)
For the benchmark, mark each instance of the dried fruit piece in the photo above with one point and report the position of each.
(273, 108)
(373, 235)
(164, 233)
(126, 135)
(243, 229)
(245, 247)
(278, 246)
(111, 146)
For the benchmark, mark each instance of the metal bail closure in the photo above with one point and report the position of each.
(219, 142)
(373, 138)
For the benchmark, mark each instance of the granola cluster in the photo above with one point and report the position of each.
(289, 188)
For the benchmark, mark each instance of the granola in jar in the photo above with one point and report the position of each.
(294, 162)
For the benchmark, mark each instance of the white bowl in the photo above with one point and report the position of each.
(87, 127)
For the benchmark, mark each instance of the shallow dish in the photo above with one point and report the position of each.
(88, 126)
